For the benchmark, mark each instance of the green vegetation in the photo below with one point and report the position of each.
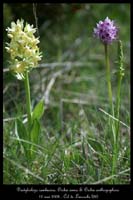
(75, 144)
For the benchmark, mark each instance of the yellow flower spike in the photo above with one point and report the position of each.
(23, 49)
(10, 35)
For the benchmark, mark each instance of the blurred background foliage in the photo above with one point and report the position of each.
(66, 34)
(60, 25)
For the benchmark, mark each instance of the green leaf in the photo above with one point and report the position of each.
(22, 131)
(35, 131)
(38, 110)
(22, 134)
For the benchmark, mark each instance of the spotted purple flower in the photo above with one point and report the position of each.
(106, 31)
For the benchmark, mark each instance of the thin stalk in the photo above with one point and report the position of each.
(28, 100)
(117, 125)
(120, 76)
(112, 107)
(109, 87)
(118, 107)
(108, 78)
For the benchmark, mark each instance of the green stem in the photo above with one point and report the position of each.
(117, 125)
(112, 107)
(109, 87)
(120, 76)
(108, 78)
(28, 101)
(118, 106)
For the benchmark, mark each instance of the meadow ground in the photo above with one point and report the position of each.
(75, 143)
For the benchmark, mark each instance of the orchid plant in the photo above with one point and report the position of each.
(107, 32)
(24, 56)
